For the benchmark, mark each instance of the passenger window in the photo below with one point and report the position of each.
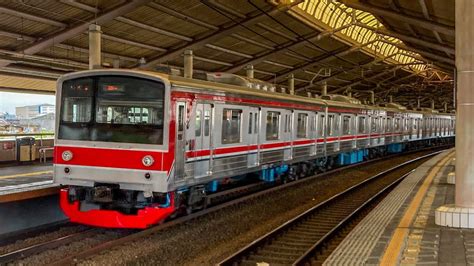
(374, 126)
(331, 125)
(207, 123)
(256, 121)
(362, 125)
(285, 128)
(301, 126)
(388, 125)
(346, 125)
(397, 124)
(273, 125)
(321, 124)
(181, 118)
(198, 124)
(231, 122)
(250, 123)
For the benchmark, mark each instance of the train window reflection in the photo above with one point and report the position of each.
(198, 124)
(231, 123)
(301, 126)
(207, 123)
(346, 125)
(273, 125)
(362, 125)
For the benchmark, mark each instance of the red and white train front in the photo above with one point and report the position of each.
(112, 148)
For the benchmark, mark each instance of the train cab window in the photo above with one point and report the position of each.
(362, 124)
(231, 124)
(273, 125)
(77, 100)
(301, 126)
(198, 124)
(207, 123)
(346, 125)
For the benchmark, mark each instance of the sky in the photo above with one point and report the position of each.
(9, 100)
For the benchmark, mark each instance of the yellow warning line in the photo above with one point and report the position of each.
(393, 250)
(26, 174)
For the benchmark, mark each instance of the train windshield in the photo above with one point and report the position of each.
(112, 109)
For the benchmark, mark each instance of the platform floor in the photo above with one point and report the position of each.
(21, 178)
(401, 230)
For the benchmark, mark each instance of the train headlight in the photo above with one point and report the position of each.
(148, 160)
(67, 156)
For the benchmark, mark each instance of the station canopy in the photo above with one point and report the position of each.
(403, 48)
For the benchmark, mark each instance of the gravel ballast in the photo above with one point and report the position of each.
(210, 238)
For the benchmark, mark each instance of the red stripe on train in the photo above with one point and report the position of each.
(110, 158)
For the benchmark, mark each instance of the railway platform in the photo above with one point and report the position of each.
(27, 190)
(401, 230)
(26, 181)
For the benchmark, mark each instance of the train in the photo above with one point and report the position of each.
(134, 147)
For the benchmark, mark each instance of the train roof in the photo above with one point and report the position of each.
(223, 87)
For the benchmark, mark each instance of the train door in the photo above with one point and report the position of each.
(202, 145)
(252, 130)
(180, 146)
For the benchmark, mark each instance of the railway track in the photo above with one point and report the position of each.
(302, 239)
(215, 204)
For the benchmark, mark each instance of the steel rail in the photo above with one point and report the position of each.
(237, 257)
(47, 245)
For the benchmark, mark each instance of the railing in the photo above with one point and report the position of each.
(37, 136)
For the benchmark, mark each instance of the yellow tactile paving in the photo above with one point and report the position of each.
(27, 174)
(391, 255)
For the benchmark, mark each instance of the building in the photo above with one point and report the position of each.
(30, 111)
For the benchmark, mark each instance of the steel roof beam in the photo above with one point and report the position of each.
(213, 36)
(182, 16)
(78, 29)
(153, 29)
(132, 43)
(359, 81)
(86, 51)
(430, 25)
(322, 59)
(31, 17)
(407, 38)
(313, 37)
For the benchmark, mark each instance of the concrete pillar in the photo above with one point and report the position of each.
(390, 98)
(454, 215)
(465, 103)
(291, 84)
(188, 64)
(349, 94)
(309, 94)
(324, 89)
(250, 71)
(418, 103)
(95, 55)
(432, 104)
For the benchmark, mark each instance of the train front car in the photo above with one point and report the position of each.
(111, 148)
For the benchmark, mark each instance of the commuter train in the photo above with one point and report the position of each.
(135, 147)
